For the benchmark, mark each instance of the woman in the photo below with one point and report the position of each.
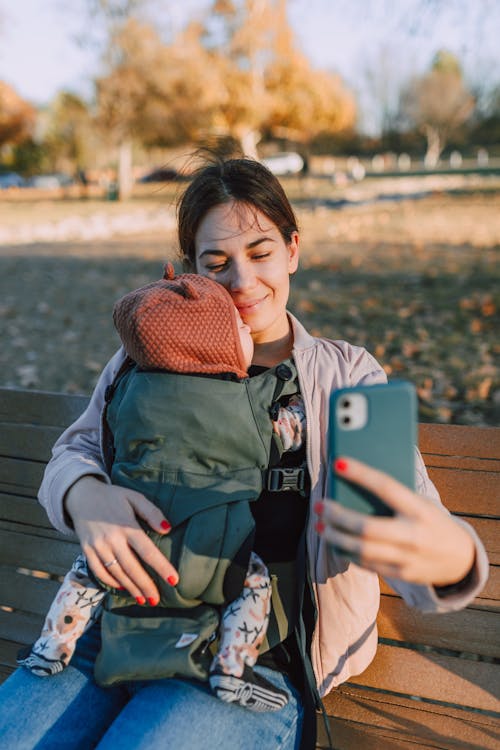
(236, 226)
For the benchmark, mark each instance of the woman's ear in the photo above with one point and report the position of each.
(293, 253)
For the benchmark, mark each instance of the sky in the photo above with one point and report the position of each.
(373, 44)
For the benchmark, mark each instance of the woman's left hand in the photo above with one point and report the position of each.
(421, 543)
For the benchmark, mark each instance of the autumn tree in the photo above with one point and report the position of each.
(126, 89)
(239, 38)
(235, 73)
(69, 138)
(17, 117)
(154, 93)
(190, 91)
(149, 92)
(266, 83)
(113, 29)
(438, 104)
(238, 73)
(304, 102)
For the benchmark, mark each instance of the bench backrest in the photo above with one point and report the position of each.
(434, 681)
(33, 555)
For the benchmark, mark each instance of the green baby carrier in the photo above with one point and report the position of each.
(200, 449)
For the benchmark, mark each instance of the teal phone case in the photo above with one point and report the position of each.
(385, 441)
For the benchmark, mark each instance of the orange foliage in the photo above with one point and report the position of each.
(17, 117)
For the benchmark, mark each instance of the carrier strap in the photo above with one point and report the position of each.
(285, 376)
(312, 698)
(107, 443)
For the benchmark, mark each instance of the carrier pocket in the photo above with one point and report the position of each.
(155, 645)
(283, 617)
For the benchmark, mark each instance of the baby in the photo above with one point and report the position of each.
(186, 324)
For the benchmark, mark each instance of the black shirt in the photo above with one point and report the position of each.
(279, 516)
(280, 520)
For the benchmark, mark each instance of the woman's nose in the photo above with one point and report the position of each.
(242, 277)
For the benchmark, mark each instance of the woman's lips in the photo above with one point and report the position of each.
(246, 308)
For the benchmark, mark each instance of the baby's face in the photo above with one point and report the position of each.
(246, 340)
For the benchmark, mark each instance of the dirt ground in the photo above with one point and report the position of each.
(415, 281)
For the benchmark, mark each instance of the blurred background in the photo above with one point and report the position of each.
(382, 118)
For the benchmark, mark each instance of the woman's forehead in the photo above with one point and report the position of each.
(231, 220)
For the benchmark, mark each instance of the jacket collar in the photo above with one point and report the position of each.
(301, 338)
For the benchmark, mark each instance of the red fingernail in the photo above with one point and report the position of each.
(320, 527)
(140, 600)
(120, 588)
(318, 508)
(340, 465)
(172, 580)
(153, 602)
(166, 526)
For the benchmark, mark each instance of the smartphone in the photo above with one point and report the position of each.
(376, 424)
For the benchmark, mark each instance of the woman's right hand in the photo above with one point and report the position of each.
(104, 517)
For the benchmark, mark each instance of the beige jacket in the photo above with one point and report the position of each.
(347, 596)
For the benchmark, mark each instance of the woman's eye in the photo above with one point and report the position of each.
(260, 256)
(215, 267)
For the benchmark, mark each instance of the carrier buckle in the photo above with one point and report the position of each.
(286, 480)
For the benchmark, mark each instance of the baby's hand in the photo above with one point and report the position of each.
(290, 424)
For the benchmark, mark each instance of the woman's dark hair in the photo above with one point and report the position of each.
(242, 180)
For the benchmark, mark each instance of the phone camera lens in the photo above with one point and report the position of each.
(346, 403)
(346, 420)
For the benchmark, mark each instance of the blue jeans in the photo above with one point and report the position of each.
(69, 710)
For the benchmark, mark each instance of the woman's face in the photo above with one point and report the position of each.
(243, 250)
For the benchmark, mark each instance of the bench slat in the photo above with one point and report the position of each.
(22, 509)
(26, 529)
(488, 598)
(38, 407)
(458, 489)
(459, 440)
(433, 676)
(461, 462)
(21, 477)
(20, 627)
(8, 652)
(25, 592)
(29, 550)
(33, 442)
(372, 720)
(488, 532)
(490, 595)
(470, 630)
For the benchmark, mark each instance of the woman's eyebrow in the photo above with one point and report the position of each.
(212, 252)
(259, 241)
(250, 246)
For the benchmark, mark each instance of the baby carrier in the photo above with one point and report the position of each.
(200, 449)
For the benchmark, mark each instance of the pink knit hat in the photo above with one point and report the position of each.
(183, 324)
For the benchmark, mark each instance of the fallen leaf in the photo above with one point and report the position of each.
(306, 305)
(484, 388)
(488, 308)
(476, 325)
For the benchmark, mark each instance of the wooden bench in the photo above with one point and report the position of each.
(435, 679)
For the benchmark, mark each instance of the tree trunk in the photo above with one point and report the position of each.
(249, 139)
(125, 181)
(434, 146)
